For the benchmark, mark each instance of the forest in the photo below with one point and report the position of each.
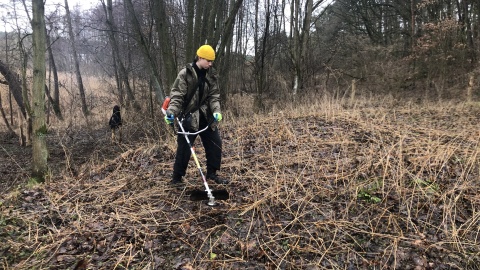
(350, 135)
(274, 51)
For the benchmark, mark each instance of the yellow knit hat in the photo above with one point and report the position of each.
(206, 52)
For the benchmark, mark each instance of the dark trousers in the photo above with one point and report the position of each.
(213, 150)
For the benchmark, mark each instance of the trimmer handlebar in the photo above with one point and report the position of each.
(183, 132)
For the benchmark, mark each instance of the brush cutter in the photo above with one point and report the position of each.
(208, 194)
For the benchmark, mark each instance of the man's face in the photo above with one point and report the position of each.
(204, 63)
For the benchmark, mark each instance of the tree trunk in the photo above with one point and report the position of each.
(301, 37)
(123, 74)
(4, 116)
(24, 140)
(468, 31)
(471, 84)
(197, 27)
(14, 85)
(227, 32)
(26, 101)
(78, 75)
(189, 46)
(154, 75)
(259, 60)
(213, 15)
(115, 54)
(168, 60)
(224, 47)
(55, 100)
(9, 92)
(294, 37)
(39, 149)
(16, 89)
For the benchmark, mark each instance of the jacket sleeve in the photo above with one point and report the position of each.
(178, 93)
(214, 94)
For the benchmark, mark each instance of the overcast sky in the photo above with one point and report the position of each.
(7, 10)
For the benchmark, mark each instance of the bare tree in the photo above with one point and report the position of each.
(163, 30)
(24, 135)
(465, 21)
(55, 100)
(301, 18)
(117, 59)
(14, 85)
(225, 39)
(189, 45)
(144, 46)
(78, 75)
(260, 52)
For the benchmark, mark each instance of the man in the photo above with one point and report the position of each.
(195, 98)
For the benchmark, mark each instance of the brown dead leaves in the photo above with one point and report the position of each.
(298, 189)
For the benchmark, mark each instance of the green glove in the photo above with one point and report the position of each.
(217, 116)
(169, 119)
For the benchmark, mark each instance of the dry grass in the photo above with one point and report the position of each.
(371, 185)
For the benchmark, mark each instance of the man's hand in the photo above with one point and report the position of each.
(169, 118)
(217, 116)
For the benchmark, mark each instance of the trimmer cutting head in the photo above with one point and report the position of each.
(212, 202)
(200, 195)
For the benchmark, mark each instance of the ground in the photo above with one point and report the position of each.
(14, 162)
(337, 188)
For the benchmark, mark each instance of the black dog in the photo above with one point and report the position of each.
(115, 123)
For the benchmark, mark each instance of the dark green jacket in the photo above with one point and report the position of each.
(185, 86)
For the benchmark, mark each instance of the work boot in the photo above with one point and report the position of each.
(176, 180)
(217, 179)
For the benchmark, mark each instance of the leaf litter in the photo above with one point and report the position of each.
(354, 191)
